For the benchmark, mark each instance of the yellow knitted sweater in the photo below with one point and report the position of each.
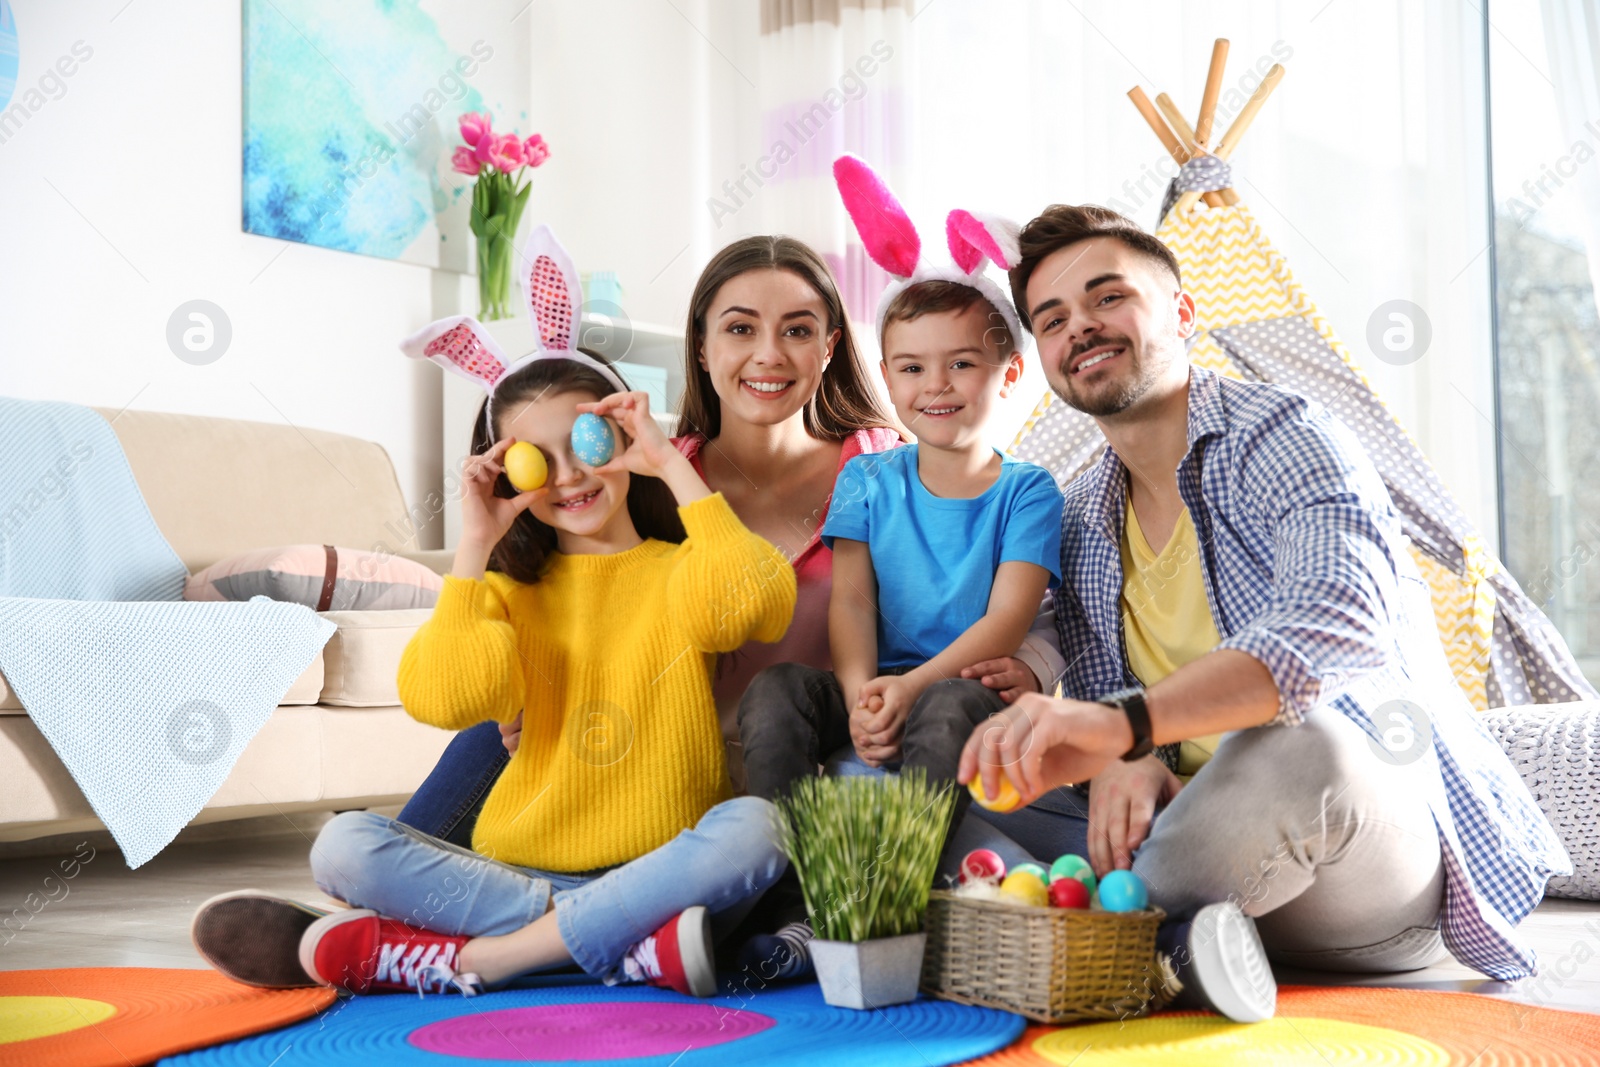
(610, 657)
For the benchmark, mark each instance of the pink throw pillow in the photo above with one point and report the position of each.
(321, 577)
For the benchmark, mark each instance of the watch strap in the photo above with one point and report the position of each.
(1131, 701)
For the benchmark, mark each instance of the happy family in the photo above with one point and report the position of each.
(1175, 662)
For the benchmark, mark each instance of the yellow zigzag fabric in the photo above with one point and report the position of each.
(1237, 276)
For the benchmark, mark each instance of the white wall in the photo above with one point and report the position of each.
(648, 110)
(120, 201)
(648, 107)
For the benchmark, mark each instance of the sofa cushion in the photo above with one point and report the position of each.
(321, 577)
(362, 659)
(305, 690)
(218, 487)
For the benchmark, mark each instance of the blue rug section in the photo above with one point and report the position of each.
(375, 1029)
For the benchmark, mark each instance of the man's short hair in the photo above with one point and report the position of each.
(1062, 225)
(932, 297)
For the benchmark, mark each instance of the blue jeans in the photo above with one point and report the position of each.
(448, 803)
(725, 863)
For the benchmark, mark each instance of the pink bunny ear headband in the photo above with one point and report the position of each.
(551, 289)
(892, 242)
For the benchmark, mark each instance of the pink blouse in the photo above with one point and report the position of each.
(806, 640)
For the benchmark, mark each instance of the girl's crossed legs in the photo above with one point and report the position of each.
(522, 920)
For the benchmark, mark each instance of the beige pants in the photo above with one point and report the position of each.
(1331, 847)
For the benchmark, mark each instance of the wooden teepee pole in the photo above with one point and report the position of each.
(1179, 153)
(1208, 103)
(1180, 126)
(1236, 132)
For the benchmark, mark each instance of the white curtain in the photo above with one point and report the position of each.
(1572, 44)
(831, 79)
(1367, 167)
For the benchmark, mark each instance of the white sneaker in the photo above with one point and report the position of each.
(1229, 964)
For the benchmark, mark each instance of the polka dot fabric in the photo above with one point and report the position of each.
(551, 303)
(461, 346)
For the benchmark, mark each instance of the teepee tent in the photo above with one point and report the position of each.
(1256, 323)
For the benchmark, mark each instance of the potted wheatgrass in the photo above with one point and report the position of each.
(865, 850)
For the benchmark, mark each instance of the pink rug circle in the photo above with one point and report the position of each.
(588, 1031)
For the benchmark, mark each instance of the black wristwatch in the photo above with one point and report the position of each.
(1131, 701)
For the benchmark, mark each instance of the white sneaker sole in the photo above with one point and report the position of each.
(1230, 965)
(694, 949)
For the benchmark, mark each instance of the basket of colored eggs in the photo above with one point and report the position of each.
(1054, 945)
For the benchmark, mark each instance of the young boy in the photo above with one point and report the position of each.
(942, 551)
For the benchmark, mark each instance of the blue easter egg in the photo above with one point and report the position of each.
(1123, 891)
(592, 440)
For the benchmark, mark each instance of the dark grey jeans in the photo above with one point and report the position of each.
(793, 717)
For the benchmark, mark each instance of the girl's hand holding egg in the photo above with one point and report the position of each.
(642, 448)
(486, 516)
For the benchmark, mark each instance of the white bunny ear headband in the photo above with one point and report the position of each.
(892, 242)
(551, 289)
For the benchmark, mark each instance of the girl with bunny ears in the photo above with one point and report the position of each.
(610, 840)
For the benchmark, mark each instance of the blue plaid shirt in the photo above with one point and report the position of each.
(1306, 570)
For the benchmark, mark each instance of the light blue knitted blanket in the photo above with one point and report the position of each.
(148, 700)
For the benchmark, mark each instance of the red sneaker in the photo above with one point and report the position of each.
(677, 956)
(359, 951)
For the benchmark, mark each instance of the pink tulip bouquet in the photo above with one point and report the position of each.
(498, 197)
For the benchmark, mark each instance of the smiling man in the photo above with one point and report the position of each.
(1236, 589)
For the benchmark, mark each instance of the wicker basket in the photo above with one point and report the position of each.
(1052, 965)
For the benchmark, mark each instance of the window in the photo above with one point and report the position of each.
(1547, 339)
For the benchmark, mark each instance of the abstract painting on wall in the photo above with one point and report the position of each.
(350, 116)
(9, 53)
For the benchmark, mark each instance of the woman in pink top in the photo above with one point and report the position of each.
(776, 400)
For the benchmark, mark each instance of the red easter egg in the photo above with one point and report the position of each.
(1068, 893)
(982, 865)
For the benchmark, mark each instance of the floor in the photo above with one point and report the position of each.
(107, 915)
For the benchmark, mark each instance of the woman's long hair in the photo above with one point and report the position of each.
(844, 401)
(523, 552)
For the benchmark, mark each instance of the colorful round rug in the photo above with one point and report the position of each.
(1327, 1027)
(84, 1017)
(590, 1023)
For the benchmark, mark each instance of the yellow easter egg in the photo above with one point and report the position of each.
(1024, 887)
(525, 467)
(1006, 800)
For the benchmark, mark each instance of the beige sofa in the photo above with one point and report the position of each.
(339, 738)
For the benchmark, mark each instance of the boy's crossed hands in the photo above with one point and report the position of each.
(878, 718)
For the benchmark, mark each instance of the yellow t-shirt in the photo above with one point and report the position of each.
(1166, 618)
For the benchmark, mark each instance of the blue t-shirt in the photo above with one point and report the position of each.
(935, 557)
